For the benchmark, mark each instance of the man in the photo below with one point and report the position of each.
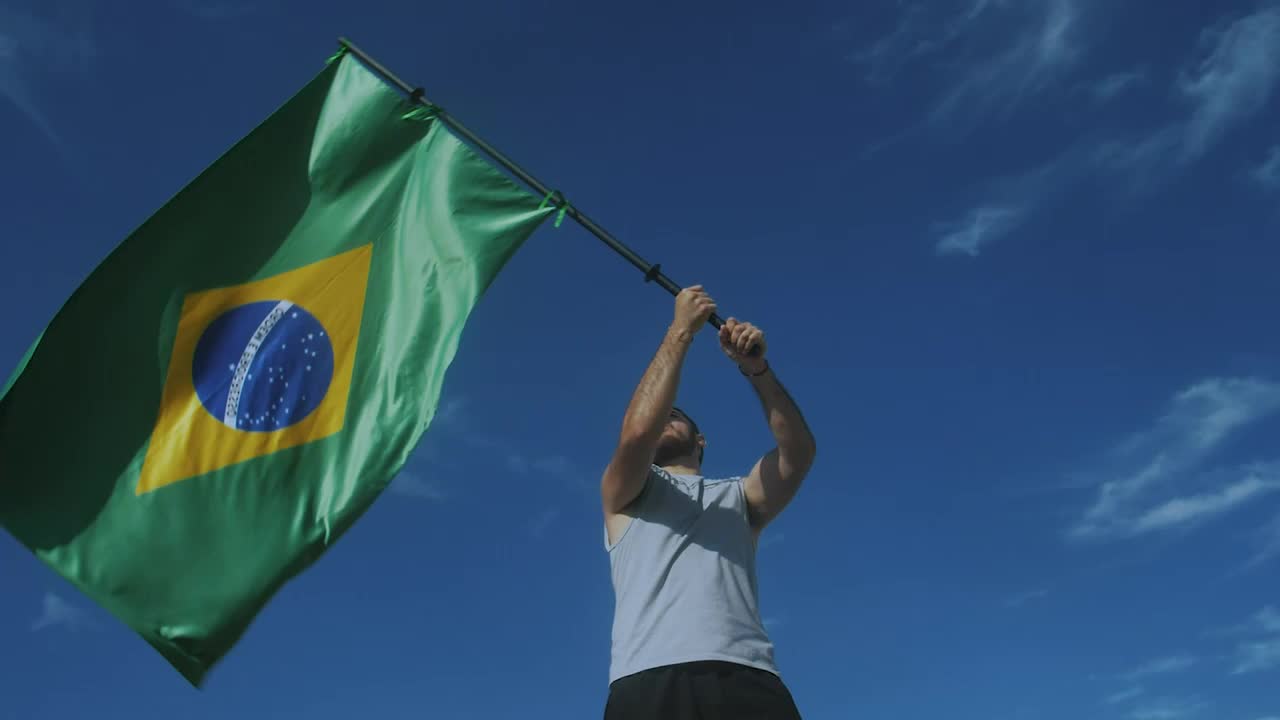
(688, 641)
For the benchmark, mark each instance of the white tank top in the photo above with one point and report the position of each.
(684, 578)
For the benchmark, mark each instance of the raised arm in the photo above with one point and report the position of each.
(776, 477)
(651, 403)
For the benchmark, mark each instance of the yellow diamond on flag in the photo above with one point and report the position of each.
(257, 368)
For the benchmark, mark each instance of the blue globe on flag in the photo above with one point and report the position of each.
(262, 366)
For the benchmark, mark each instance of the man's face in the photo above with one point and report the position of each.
(679, 439)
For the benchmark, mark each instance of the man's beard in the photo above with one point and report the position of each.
(673, 448)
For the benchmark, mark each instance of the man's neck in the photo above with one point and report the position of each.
(681, 467)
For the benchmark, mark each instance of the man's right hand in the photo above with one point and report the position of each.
(693, 307)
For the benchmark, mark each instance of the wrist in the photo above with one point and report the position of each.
(754, 368)
(678, 336)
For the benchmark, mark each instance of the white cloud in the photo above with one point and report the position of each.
(563, 469)
(1124, 695)
(1162, 666)
(1023, 598)
(412, 485)
(32, 47)
(1009, 202)
(997, 51)
(1268, 173)
(452, 418)
(1262, 651)
(1234, 80)
(539, 525)
(1257, 656)
(1114, 85)
(1194, 508)
(1263, 622)
(924, 28)
(1145, 158)
(553, 465)
(1199, 421)
(982, 226)
(888, 54)
(1230, 81)
(450, 412)
(1046, 42)
(58, 613)
(1257, 646)
(1168, 709)
(1268, 619)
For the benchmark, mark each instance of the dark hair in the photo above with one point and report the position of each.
(693, 425)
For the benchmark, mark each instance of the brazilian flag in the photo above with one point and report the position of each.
(238, 381)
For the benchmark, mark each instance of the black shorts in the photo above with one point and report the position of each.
(702, 690)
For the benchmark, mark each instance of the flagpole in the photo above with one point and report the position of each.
(652, 272)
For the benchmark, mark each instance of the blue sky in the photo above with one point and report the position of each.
(1015, 260)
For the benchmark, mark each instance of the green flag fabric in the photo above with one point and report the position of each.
(238, 381)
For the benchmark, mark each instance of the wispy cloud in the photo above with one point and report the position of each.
(58, 613)
(410, 484)
(1146, 159)
(1260, 652)
(1230, 81)
(1116, 84)
(1196, 508)
(1257, 656)
(1168, 708)
(1022, 598)
(1233, 80)
(1161, 666)
(449, 411)
(563, 469)
(1160, 707)
(1008, 202)
(1267, 174)
(1268, 619)
(1046, 42)
(32, 47)
(1125, 695)
(454, 421)
(1148, 470)
(883, 58)
(997, 52)
(539, 525)
(1264, 621)
(982, 226)
(922, 29)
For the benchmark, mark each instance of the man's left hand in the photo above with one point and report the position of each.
(736, 340)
